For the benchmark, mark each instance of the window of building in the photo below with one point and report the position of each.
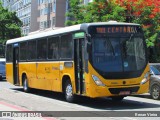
(54, 7)
(46, 10)
(41, 25)
(53, 21)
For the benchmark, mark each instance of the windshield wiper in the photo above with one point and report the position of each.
(124, 46)
(111, 46)
(130, 37)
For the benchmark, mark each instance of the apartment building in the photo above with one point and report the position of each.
(38, 14)
(52, 13)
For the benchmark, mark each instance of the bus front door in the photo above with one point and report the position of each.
(79, 65)
(16, 65)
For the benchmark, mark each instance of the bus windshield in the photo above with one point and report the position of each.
(118, 52)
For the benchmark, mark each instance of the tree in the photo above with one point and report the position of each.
(99, 10)
(74, 14)
(10, 25)
(146, 13)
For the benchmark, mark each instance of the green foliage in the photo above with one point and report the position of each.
(10, 25)
(74, 14)
(97, 11)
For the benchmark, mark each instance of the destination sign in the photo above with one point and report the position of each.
(117, 29)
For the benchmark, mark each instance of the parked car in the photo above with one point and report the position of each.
(2, 68)
(155, 81)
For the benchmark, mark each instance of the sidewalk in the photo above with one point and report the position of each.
(13, 112)
(9, 107)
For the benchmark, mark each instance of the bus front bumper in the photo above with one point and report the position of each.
(104, 91)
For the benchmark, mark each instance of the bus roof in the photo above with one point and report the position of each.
(74, 28)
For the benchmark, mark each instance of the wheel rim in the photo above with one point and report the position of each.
(69, 90)
(155, 92)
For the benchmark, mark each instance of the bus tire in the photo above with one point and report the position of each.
(26, 88)
(117, 98)
(69, 96)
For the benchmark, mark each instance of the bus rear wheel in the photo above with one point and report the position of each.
(69, 96)
(25, 84)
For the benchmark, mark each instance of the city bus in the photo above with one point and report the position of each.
(104, 59)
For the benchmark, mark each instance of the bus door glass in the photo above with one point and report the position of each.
(16, 63)
(79, 48)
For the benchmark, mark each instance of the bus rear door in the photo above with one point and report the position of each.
(16, 64)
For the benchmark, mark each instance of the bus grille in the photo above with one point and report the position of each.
(118, 90)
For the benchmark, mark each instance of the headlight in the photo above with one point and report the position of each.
(145, 79)
(97, 81)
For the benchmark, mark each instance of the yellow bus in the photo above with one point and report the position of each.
(105, 59)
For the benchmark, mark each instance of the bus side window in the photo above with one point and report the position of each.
(32, 50)
(23, 51)
(66, 46)
(53, 48)
(42, 49)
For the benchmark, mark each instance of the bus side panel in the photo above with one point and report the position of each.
(42, 75)
(9, 72)
(48, 76)
(41, 81)
(54, 76)
(66, 71)
(29, 69)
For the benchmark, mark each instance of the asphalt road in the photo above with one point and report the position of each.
(39, 100)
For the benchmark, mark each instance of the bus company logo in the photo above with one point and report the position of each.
(6, 114)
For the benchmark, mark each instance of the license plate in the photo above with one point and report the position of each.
(124, 93)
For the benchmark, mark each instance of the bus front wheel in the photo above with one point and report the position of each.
(25, 84)
(69, 96)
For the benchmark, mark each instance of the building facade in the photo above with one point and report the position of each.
(52, 13)
(38, 14)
